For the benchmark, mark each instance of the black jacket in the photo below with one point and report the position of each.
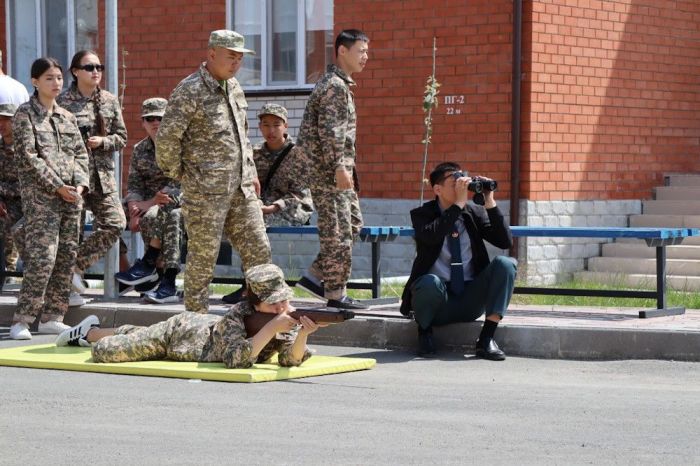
(431, 227)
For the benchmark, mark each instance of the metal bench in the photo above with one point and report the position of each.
(654, 237)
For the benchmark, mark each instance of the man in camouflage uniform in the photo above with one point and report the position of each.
(327, 136)
(52, 165)
(10, 200)
(153, 206)
(208, 338)
(203, 143)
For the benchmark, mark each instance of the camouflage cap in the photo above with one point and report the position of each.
(267, 282)
(154, 106)
(273, 109)
(229, 40)
(8, 109)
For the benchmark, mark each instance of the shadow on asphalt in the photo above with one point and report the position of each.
(396, 356)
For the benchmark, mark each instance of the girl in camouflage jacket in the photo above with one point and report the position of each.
(52, 169)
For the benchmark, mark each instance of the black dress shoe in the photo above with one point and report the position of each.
(489, 351)
(235, 297)
(346, 302)
(426, 343)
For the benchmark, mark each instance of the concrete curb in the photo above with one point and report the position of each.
(561, 342)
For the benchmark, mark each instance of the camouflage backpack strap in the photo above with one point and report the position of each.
(275, 166)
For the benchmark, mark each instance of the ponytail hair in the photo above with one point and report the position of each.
(100, 125)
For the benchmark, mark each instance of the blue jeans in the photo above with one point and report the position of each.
(490, 292)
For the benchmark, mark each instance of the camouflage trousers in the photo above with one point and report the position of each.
(108, 224)
(14, 214)
(164, 224)
(339, 223)
(180, 338)
(206, 218)
(49, 251)
(279, 219)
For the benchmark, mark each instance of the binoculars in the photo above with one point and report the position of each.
(477, 185)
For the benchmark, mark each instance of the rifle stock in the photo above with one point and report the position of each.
(257, 320)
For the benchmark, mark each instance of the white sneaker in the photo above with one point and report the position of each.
(52, 326)
(76, 336)
(75, 300)
(20, 331)
(77, 283)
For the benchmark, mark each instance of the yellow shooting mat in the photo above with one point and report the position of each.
(72, 358)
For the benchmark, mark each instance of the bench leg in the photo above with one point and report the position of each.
(661, 309)
(376, 270)
(2, 264)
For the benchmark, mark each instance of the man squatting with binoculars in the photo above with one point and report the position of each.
(452, 279)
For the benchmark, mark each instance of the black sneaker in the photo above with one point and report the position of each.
(426, 343)
(124, 289)
(138, 273)
(145, 287)
(346, 302)
(235, 297)
(489, 351)
(309, 286)
(166, 293)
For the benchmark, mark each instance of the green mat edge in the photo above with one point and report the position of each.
(216, 371)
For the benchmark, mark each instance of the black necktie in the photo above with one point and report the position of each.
(456, 269)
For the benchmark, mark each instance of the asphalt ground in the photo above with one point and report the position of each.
(406, 410)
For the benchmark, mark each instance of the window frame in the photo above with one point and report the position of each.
(41, 22)
(265, 12)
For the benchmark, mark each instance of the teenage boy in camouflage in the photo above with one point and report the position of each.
(153, 207)
(10, 200)
(280, 165)
(208, 338)
(327, 136)
(203, 143)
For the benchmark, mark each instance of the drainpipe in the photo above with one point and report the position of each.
(111, 260)
(515, 119)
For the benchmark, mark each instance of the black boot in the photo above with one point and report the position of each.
(488, 349)
(426, 343)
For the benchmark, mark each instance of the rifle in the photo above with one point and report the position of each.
(257, 320)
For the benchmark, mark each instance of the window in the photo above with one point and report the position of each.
(292, 39)
(55, 28)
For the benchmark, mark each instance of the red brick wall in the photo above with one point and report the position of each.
(614, 96)
(165, 41)
(3, 41)
(473, 61)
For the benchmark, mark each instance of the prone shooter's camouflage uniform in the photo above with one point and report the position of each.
(50, 153)
(195, 337)
(164, 223)
(103, 198)
(10, 196)
(286, 188)
(327, 137)
(203, 143)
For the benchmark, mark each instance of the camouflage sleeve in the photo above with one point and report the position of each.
(285, 358)
(135, 182)
(298, 197)
(28, 160)
(81, 175)
(116, 133)
(333, 126)
(238, 349)
(176, 120)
